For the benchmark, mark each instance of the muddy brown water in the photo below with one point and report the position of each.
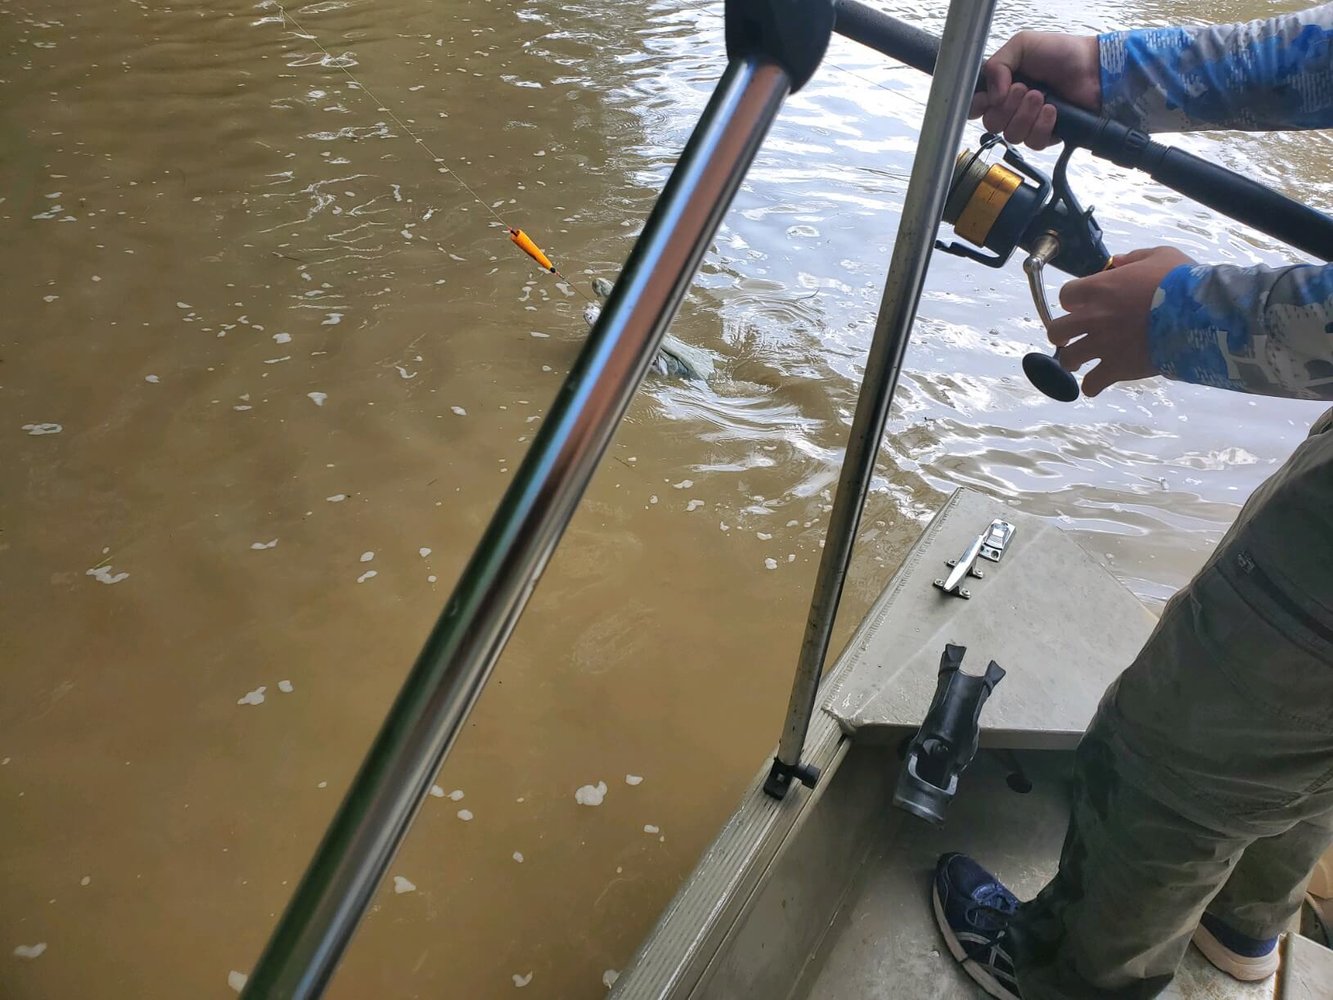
(264, 372)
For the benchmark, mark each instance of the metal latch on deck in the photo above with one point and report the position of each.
(990, 544)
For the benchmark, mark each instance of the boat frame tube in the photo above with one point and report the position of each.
(958, 64)
(466, 641)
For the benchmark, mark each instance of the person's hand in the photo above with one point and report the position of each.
(1108, 314)
(1070, 64)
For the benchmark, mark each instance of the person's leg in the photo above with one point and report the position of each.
(1266, 890)
(1261, 898)
(1135, 876)
(1218, 735)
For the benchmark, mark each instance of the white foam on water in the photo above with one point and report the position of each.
(277, 361)
(367, 556)
(322, 784)
(332, 319)
(318, 397)
(271, 543)
(402, 885)
(237, 980)
(37, 430)
(518, 856)
(634, 779)
(465, 815)
(35, 950)
(336, 498)
(684, 484)
(649, 828)
(103, 574)
(255, 697)
(456, 795)
(591, 795)
(151, 378)
(285, 687)
(86, 880)
(431, 579)
(694, 505)
(763, 536)
(437, 791)
(282, 338)
(184, 305)
(459, 410)
(369, 574)
(791, 557)
(423, 552)
(770, 564)
(521, 981)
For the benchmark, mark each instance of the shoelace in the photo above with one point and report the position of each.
(994, 922)
(995, 904)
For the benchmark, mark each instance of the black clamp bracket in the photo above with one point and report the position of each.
(792, 33)
(947, 740)
(780, 777)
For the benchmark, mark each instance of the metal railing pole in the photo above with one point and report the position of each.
(474, 626)
(961, 49)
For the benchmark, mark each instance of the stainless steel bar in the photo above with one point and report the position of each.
(951, 89)
(474, 626)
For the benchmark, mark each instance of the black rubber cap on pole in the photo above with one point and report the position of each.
(792, 33)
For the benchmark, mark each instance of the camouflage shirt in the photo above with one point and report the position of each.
(1254, 329)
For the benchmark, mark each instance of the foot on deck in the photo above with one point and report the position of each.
(1239, 956)
(973, 910)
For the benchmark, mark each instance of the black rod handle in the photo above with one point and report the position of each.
(1220, 189)
(1246, 200)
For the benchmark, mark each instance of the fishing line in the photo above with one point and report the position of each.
(517, 236)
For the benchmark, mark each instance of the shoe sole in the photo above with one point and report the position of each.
(1242, 967)
(979, 975)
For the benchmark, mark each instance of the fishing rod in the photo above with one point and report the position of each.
(1009, 204)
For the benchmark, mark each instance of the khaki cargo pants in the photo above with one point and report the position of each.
(1205, 782)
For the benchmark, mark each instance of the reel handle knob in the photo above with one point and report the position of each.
(1044, 370)
(1050, 377)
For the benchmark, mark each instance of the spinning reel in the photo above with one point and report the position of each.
(1001, 205)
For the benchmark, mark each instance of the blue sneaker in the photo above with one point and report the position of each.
(1239, 956)
(973, 909)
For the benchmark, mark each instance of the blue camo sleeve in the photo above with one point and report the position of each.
(1254, 329)
(1275, 73)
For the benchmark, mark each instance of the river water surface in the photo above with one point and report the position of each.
(265, 369)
